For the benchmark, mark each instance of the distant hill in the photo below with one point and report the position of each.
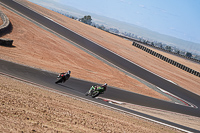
(124, 27)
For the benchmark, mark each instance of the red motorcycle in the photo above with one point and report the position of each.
(62, 77)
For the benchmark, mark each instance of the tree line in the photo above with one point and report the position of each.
(87, 19)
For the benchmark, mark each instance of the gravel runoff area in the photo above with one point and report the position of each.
(28, 108)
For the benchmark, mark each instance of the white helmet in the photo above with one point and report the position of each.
(105, 84)
(68, 72)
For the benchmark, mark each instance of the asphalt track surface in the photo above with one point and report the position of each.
(79, 87)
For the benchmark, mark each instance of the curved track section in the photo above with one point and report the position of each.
(79, 87)
(118, 61)
(108, 55)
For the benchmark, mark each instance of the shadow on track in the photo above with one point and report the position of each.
(66, 86)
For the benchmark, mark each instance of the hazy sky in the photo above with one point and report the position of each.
(178, 18)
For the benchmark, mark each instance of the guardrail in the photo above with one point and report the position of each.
(4, 28)
(183, 67)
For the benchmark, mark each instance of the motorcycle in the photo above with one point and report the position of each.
(62, 77)
(95, 90)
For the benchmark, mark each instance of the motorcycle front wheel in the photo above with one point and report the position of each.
(95, 94)
(87, 93)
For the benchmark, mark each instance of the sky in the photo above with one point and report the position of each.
(177, 18)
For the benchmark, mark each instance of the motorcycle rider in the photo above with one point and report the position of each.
(101, 89)
(66, 75)
(104, 87)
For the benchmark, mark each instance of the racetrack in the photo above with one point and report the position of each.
(106, 54)
(79, 87)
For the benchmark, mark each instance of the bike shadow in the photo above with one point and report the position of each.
(65, 86)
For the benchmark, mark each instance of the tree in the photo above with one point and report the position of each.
(102, 27)
(86, 19)
(189, 55)
(161, 46)
(169, 48)
(114, 30)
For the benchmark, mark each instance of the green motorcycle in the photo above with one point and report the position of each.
(95, 90)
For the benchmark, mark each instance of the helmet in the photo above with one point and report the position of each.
(104, 84)
(68, 72)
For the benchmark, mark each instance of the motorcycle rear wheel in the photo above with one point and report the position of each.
(59, 81)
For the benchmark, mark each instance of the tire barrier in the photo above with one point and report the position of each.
(6, 27)
(5, 20)
(170, 61)
(135, 40)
